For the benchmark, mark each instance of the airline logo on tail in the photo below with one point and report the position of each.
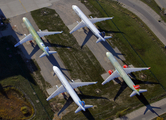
(82, 103)
(137, 87)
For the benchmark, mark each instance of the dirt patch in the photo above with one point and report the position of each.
(12, 100)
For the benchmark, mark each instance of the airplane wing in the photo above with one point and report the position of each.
(42, 34)
(129, 70)
(61, 89)
(78, 84)
(94, 20)
(27, 38)
(111, 77)
(78, 26)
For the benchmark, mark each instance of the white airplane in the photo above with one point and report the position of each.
(89, 23)
(122, 72)
(69, 87)
(37, 37)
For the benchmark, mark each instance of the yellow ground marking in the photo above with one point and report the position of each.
(22, 5)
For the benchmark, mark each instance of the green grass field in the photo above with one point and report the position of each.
(14, 72)
(138, 44)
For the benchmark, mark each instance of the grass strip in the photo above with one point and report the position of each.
(75, 59)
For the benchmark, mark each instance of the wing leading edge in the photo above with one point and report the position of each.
(41, 34)
(129, 70)
(78, 26)
(79, 84)
(111, 77)
(61, 89)
(94, 20)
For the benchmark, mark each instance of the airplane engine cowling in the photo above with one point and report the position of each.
(110, 72)
(125, 66)
(136, 87)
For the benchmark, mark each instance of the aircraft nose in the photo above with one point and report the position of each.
(74, 6)
(24, 18)
(55, 68)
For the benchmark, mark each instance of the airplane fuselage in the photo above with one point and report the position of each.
(121, 72)
(86, 21)
(67, 86)
(34, 35)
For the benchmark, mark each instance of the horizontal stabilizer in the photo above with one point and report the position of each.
(86, 107)
(50, 52)
(111, 77)
(27, 38)
(78, 84)
(105, 37)
(140, 91)
(61, 89)
(43, 54)
(99, 40)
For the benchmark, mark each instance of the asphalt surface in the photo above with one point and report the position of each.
(154, 110)
(84, 36)
(161, 3)
(18, 29)
(18, 9)
(21, 8)
(148, 16)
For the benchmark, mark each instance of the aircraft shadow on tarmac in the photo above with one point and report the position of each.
(124, 85)
(20, 34)
(140, 97)
(87, 113)
(105, 44)
(55, 45)
(88, 36)
(36, 47)
(15, 68)
(54, 62)
(110, 49)
(51, 58)
(146, 103)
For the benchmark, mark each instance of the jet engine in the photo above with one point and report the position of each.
(136, 87)
(125, 66)
(110, 72)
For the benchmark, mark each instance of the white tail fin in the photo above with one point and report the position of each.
(140, 91)
(86, 107)
(50, 52)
